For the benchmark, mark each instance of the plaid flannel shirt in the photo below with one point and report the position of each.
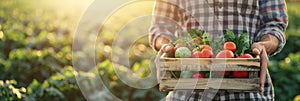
(172, 18)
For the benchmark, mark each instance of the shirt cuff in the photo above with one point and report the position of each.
(275, 32)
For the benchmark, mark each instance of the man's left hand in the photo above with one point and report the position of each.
(263, 49)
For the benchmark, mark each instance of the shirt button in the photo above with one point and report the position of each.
(220, 5)
(242, 95)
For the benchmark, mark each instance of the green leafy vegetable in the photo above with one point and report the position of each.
(229, 36)
(195, 33)
(243, 44)
(195, 45)
(217, 45)
(206, 38)
(180, 41)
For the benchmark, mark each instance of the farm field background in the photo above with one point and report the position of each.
(36, 42)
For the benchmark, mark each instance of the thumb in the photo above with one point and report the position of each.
(168, 50)
(257, 48)
(157, 64)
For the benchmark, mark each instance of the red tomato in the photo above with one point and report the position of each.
(246, 55)
(198, 40)
(240, 74)
(196, 54)
(205, 47)
(198, 75)
(178, 46)
(222, 72)
(206, 53)
(225, 54)
(230, 46)
(196, 49)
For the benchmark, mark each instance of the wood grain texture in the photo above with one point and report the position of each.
(213, 83)
(211, 64)
(208, 64)
(166, 75)
(214, 67)
(253, 74)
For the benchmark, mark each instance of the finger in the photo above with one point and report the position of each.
(164, 48)
(264, 67)
(157, 64)
(168, 50)
(257, 48)
(256, 51)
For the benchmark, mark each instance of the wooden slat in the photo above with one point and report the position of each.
(166, 75)
(215, 67)
(228, 84)
(209, 61)
(253, 74)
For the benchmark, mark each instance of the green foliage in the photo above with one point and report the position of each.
(286, 77)
(35, 59)
(35, 55)
(123, 91)
(243, 43)
(229, 36)
(194, 33)
(206, 38)
(9, 91)
(217, 45)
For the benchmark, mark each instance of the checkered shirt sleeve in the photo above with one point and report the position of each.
(273, 20)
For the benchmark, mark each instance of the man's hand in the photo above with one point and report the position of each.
(163, 47)
(263, 48)
(167, 51)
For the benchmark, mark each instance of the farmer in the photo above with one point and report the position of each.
(264, 20)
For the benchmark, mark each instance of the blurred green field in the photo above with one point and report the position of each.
(36, 53)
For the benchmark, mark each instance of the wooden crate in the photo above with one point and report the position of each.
(210, 64)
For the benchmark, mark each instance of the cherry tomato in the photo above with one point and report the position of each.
(246, 55)
(225, 54)
(196, 40)
(206, 53)
(240, 74)
(196, 54)
(198, 75)
(230, 46)
(205, 47)
(195, 49)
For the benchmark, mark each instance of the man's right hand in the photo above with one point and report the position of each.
(163, 45)
(168, 50)
(165, 51)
